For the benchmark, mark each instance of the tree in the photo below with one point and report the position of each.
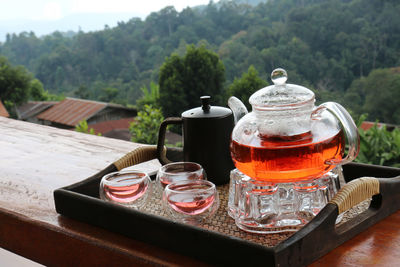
(244, 87)
(354, 98)
(377, 94)
(382, 95)
(168, 18)
(204, 74)
(37, 92)
(82, 92)
(172, 94)
(145, 128)
(150, 96)
(108, 94)
(14, 83)
(183, 80)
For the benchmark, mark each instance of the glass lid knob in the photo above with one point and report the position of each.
(279, 76)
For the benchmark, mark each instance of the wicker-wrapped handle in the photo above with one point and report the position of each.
(138, 155)
(355, 192)
(322, 233)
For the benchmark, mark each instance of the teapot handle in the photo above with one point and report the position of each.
(161, 138)
(349, 127)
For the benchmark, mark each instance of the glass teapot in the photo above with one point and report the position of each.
(286, 138)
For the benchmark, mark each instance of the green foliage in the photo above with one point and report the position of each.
(83, 127)
(145, 128)
(377, 94)
(177, 144)
(244, 87)
(17, 86)
(14, 83)
(37, 92)
(183, 80)
(82, 92)
(150, 97)
(204, 74)
(172, 95)
(108, 94)
(379, 146)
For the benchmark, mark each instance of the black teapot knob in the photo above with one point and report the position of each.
(205, 103)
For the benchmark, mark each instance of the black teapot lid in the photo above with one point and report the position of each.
(207, 111)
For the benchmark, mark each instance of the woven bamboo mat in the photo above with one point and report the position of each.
(222, 223)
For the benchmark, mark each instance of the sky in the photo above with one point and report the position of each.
(57, 9)
(46, 16)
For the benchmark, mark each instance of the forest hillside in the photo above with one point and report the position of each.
(338, 48)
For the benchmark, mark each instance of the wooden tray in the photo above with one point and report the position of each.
(219, 241)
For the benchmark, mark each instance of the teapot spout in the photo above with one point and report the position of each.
(237, 107)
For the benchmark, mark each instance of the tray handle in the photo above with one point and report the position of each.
(138, 155)
(355, 192)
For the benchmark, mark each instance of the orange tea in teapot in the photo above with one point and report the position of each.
(289, 159)
(286, 138)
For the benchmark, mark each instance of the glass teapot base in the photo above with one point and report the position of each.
(265, 207)
(274, 223)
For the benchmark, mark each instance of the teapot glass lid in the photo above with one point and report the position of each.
(281, 94)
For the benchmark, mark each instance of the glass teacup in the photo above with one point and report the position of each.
(128, 188)
(190, 201)
(178, 171)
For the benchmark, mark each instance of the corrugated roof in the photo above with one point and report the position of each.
(3, 110)
(107, 126)
(71, 111)
(32, 108)
(122, 134)
(366, 125)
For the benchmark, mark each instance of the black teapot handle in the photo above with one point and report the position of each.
(161, 138)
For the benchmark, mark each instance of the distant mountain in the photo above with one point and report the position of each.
(77, 22)
(248, 2)
(218, 4)
(85, 22)
(324, 45)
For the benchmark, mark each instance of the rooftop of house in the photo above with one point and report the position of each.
(366, 125)
(32, 108)
(3, 110)
(71, 111)
(122, 134)
(108, 126)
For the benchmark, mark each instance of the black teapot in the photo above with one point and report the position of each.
(206, 139)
